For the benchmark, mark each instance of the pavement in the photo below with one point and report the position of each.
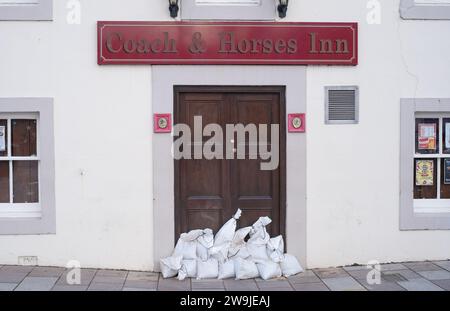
(410, 276)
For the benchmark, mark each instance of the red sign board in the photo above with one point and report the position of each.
(266, 43)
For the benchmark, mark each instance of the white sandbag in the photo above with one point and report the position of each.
(269, 269)
(220, 252)
(243, 253)
(226, 233)
(245, 269)
(259, 229)
(257, 250)
(207, 269)
(204, 243)
(187, 245)
(238, 241)
(188, 269)
(275, 249)
(290, 265)
(170, 265)
(226, 270)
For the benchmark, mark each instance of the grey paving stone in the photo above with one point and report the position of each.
(101, 287)
(112, 273)
(436, 275)
(305, 277)
(383, 286)
(354, 268)
(240, 285)
(420, 285)
(443, 264)
(343, 284)
(141, 284)
(392, 266)
(86, 276)
(69, 288)
(422, 266)
(142, 276)
(444, 284)
(174, 285)
(359, 274)
(17, 269)
(406, 274)
(109, 279)
(331, 273)
(207, 284)
(274, 286)
(47, 272)
(7, 287)
(310, 287)
(37, 284)
(131, 289)
(12, 277)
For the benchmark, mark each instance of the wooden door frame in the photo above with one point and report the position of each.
(281, 91)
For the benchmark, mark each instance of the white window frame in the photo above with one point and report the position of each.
(264, 10)
(33, 218)
(32, 10)
(410, 9)
(437, 205)
(413, 214)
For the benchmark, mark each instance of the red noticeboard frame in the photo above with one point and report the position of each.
(231, 43)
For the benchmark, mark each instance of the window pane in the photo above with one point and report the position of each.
(445, 178)
(25, 182)
(427, 136)
(23, 138)
(446, 135)
(3, 138)
(4, 182)
(425, 175)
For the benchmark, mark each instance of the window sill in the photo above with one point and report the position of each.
(410, 10)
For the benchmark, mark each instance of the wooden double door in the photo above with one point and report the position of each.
(208, 192)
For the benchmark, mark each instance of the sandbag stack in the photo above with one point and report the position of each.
(199, 254)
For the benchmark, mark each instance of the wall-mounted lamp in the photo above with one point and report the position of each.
(282, 8)
(173, 8)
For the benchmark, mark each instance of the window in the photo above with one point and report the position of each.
(19, 165)
(425, 164)
(341, 104)
(228, 9)
(27, 189)
(425, 9)
(26, 10)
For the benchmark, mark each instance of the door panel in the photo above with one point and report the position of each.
(208, 192)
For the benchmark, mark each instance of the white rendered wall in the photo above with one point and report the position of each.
(104, 151)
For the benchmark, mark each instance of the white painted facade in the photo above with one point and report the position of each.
(104, 165)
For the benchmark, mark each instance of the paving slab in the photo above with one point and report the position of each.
(135, 289)
(330, 273)
(422, 266)
(343, 284)
(47, 272)
(383, 286)
(7, 287)
(142, 276)
(101, 287)
(12, 277)
(310, 287)
(37, 284)
(112, 273)
(392, 266)
(406, 274)
(69, 288)
(274, 286)
(435, 275)
(419, 285)
(354, 268)
(141, 284)
(240, 285)
(174, 285)
(305, 277)
(207, 284)
(443, 264)
(86, 276)
(18, 269)
(359, 274)
(444, 284)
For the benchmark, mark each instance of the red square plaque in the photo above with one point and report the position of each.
(296, 123)
(162, 123)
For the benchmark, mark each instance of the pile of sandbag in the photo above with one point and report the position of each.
(199, 254)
